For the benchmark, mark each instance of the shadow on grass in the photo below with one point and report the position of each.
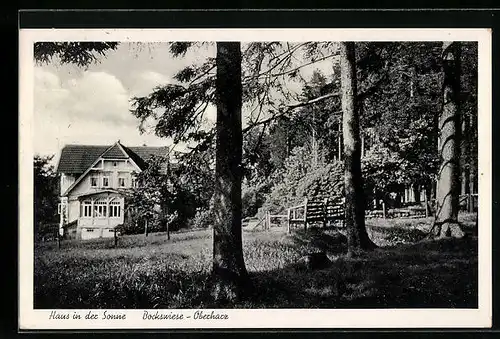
(321, 239)
(148, 289)
(430, 274)
(125, 242)
(419, 273)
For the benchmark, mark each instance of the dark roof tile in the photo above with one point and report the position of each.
(140, 155)
(76, 159)
(114, 153)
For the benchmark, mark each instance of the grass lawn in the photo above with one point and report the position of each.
(151, 272)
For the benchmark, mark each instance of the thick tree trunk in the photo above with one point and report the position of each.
(357, 237)
(229, 269)
(448, 189)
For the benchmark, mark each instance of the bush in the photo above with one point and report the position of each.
(253, 197)
(325, 180)
(299, 180)
(202, 219)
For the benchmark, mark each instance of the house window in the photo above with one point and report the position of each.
(121, 182)
(105, 181)
(100, 209)
(93, 181)
(114, 209)
(134, 183)
(86, 210)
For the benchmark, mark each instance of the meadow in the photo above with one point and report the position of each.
(407, 270)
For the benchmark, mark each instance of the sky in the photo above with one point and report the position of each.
(91, 106)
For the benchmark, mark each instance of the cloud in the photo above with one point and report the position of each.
(92, 108)
(72, 105)
(144, 82)
(101, 97)
(95, 96)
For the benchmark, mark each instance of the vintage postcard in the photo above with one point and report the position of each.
(255, 178)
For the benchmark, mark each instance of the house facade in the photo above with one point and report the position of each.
(94, 181)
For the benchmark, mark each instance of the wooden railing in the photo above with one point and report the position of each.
(324, 210)
(321, 210)
(420, 210)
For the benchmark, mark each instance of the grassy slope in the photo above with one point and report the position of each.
(154, 273)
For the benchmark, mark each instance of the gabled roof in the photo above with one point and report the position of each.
(76, 159)
(141, 154)
(115, 152)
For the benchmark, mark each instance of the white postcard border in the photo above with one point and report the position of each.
(32, 319)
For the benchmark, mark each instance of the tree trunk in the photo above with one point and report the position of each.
(167, 220)
(166, 209)
(357, 237)
(465, 163)
(413, 83)
(464, 155)
(472, 178)
(362, 144)
(339, 142)
(448, 189)
(472, 155)
(416, 193)
(229, 270)
(314, 149)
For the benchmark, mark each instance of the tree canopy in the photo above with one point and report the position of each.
(46, 192)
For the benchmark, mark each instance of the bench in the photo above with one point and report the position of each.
(322, 210)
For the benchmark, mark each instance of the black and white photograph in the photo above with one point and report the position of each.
(188, 179)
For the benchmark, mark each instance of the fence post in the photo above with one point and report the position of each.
(115, 236)
(383, 210)
(288, 221)
(325, 211)
(58, 240)
(426, 204)
(305, 215)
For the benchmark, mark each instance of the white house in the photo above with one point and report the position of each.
(93, 182)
